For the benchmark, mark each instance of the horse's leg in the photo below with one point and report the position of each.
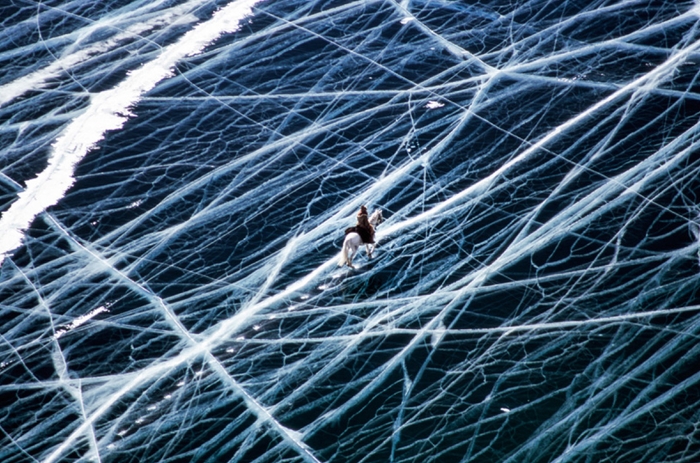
(352, 242)
(346, 253)
(356, 243)
(368, 248)
(351, 254)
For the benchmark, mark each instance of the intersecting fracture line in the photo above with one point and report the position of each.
(547, 31)
(589, 48)
(195, 349)
(642, 404)
(674, 59)
(481, 276)
(238, 319)
(256, 408)
(17, 444)
(455, 49)
(287, 140)
(508, 329)
(204, 348)
(113, 23)
(198, 346)
(485, 183)
(75, 390)
(430, 89)
(222, 170)
(448, 294)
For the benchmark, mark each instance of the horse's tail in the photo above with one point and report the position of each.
(343, 255)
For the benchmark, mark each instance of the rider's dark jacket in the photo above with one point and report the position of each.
(363, 228)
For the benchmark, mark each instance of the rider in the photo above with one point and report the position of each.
(363, 227)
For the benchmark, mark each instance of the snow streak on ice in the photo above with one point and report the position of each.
(176, 179)
(108, 110)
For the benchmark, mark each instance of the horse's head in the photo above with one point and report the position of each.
(377, 217)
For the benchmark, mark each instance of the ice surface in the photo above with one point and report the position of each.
(177, 176)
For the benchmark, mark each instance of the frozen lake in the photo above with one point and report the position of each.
(177, 175)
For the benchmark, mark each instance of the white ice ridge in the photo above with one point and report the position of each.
(108, 110)
(38, 79)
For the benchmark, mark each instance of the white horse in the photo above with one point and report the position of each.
(353, 241)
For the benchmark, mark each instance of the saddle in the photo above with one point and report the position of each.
(365, 234)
